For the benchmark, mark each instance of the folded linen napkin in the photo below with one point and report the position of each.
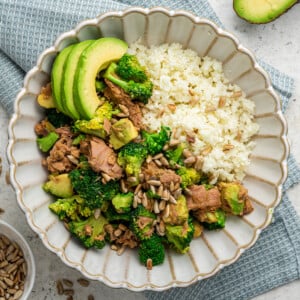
(28, 27)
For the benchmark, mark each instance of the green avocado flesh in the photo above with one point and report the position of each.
(261, 11)
(93, 59)
(56, 76)
(68, 79)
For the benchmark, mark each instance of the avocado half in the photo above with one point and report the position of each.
(92, 60)
(261, 11)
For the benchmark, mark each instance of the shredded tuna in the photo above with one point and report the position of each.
(118, 96)
(103, 159)
(202, 199)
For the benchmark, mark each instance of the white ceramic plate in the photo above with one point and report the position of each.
(264, 178)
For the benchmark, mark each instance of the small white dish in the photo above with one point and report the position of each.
(12, 234)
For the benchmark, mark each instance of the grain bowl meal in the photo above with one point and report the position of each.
(145, 147)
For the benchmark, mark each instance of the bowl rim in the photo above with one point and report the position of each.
(170, 13)
(29, 260)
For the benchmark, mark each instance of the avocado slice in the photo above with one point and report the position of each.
(261, 11)
(93, 59)
(56, 76)
(59, 185)
(122, 132)
(68, 78)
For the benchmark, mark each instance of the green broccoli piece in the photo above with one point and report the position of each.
(189, 176)
(95, 126)
(100, 86)
(76, 141)
(230, 197)
(72, 208)
(45, 143)
(174, 156)
(129, 68)
(214, 219)
(155, 142)
(122, 202)
(57, 119)
(142, 222)
(179, 237)
(89, 232)
(153, 249)
(131, 158)
(113, 216)
(87, 184)
(152, 195)
(140, 90)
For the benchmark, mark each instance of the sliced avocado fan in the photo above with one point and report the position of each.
(68, 79)
(93, 59)
(56, 76)
(261, 11)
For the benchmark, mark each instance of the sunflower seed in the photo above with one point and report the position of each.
(165, 195)
(174, 142)
(67, 282)
(177, 193)
(97, 213)
(106, 177)
(83, 282)
(199, 163)
(154, 182)
(187, 153)
(190, 160)
(138, 188)
(145, 200)
(148, 159)
(158, 156)
(172, 200)
(17, 295)
(155, 207)
(167, 211)
(68, 292)
(131, 179)
(158, 162)
(164, 162)
(123, 186)
(59, 287)
(149, 264)
(124, 109)
(172, 186)
(162, 205)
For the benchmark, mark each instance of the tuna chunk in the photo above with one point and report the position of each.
(103, 159)
(118, 96)
(202, 199)
(166, 176)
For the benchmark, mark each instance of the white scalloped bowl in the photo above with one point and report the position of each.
(264, 178)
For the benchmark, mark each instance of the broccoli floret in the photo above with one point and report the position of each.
(153, 249)
(100, 86)
(129, 68)
(72, 208)
(95, 126)
(45, 143)
(78, 139)
(131, 158)
(156, 141)
(152, 195)
(57, 119)
(179, 237)
(231, 197)
(189, 176)
(142, 223)
(137, 90)
(214, 219)
(59, 185)
(87, 184)
(113, 216)
(89, 232)
(174, 156)
(122, 202)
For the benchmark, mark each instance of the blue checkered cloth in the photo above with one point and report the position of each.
(28, 27)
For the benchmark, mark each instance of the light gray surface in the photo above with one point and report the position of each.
(276, 43)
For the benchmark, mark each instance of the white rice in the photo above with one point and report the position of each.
(181, 77)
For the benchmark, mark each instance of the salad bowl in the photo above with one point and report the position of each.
(264, 177)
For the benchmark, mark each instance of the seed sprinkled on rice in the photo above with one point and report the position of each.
(180, 76)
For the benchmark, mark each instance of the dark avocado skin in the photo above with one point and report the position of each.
(239, 7)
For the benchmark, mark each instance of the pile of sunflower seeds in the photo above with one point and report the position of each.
(13, 269)
(65, 287)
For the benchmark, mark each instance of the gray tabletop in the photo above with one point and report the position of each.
(278, 44)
